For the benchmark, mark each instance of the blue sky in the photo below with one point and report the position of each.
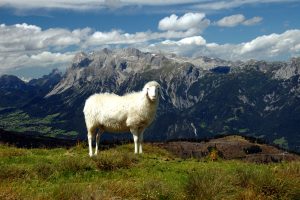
(37, 36)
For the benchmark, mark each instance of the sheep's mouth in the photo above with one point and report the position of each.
(152, 98)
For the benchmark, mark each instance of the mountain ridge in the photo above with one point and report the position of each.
(256, 98)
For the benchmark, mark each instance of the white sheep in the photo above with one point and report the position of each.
(132, 112)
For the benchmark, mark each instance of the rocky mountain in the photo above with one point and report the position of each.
(47, 82)
(203, 96)
(15, 92)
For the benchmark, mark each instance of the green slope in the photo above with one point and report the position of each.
(119, 174)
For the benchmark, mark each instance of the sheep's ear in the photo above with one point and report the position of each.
(145, 90)
(161, 93)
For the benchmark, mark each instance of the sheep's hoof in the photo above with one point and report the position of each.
(91, 155)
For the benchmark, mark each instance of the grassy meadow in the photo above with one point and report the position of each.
(117, 173)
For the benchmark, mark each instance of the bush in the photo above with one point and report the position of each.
(214, 154)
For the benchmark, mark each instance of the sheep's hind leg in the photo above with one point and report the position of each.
(90, 140)
(141, 137)
(98, 135)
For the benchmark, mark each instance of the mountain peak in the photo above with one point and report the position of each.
(55, 71)
(133, 51)
(80, 60)
(106, 51)
(11, 81)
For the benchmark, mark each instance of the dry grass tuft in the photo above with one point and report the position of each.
(156, 189)
(9, 193)
(111, 160)
(209, 184)
(7, 151)
(14, 172)
(75, 164)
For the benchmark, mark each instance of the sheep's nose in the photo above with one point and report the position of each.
(152, 97)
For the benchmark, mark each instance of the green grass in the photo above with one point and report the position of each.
(243, 130)
(282, 142)
(21, 122)
(119, 174)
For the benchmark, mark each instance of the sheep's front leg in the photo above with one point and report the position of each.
(135, 134)
(136, 143)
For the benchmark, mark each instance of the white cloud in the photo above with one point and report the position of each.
(46, 57)
(188, 41)
(117, 37)
(195, 40)
(24, 45)
(84, 5)
(24, 37)
(185, 22)
(43, 59)
(267, 47)
(235, 20)
(274, 44)
(252, 21)
(231, 21)
(229, 4)
(87, 4)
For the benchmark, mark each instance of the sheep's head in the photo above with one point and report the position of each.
(152, 89)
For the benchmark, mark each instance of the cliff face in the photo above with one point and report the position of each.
(203, 96)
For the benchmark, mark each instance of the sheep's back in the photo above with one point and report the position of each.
(107, 110)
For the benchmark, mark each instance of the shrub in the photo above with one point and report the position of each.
(214, 154)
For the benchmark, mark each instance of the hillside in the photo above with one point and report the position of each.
(204, 96)
(117, 173)
(229, 148)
